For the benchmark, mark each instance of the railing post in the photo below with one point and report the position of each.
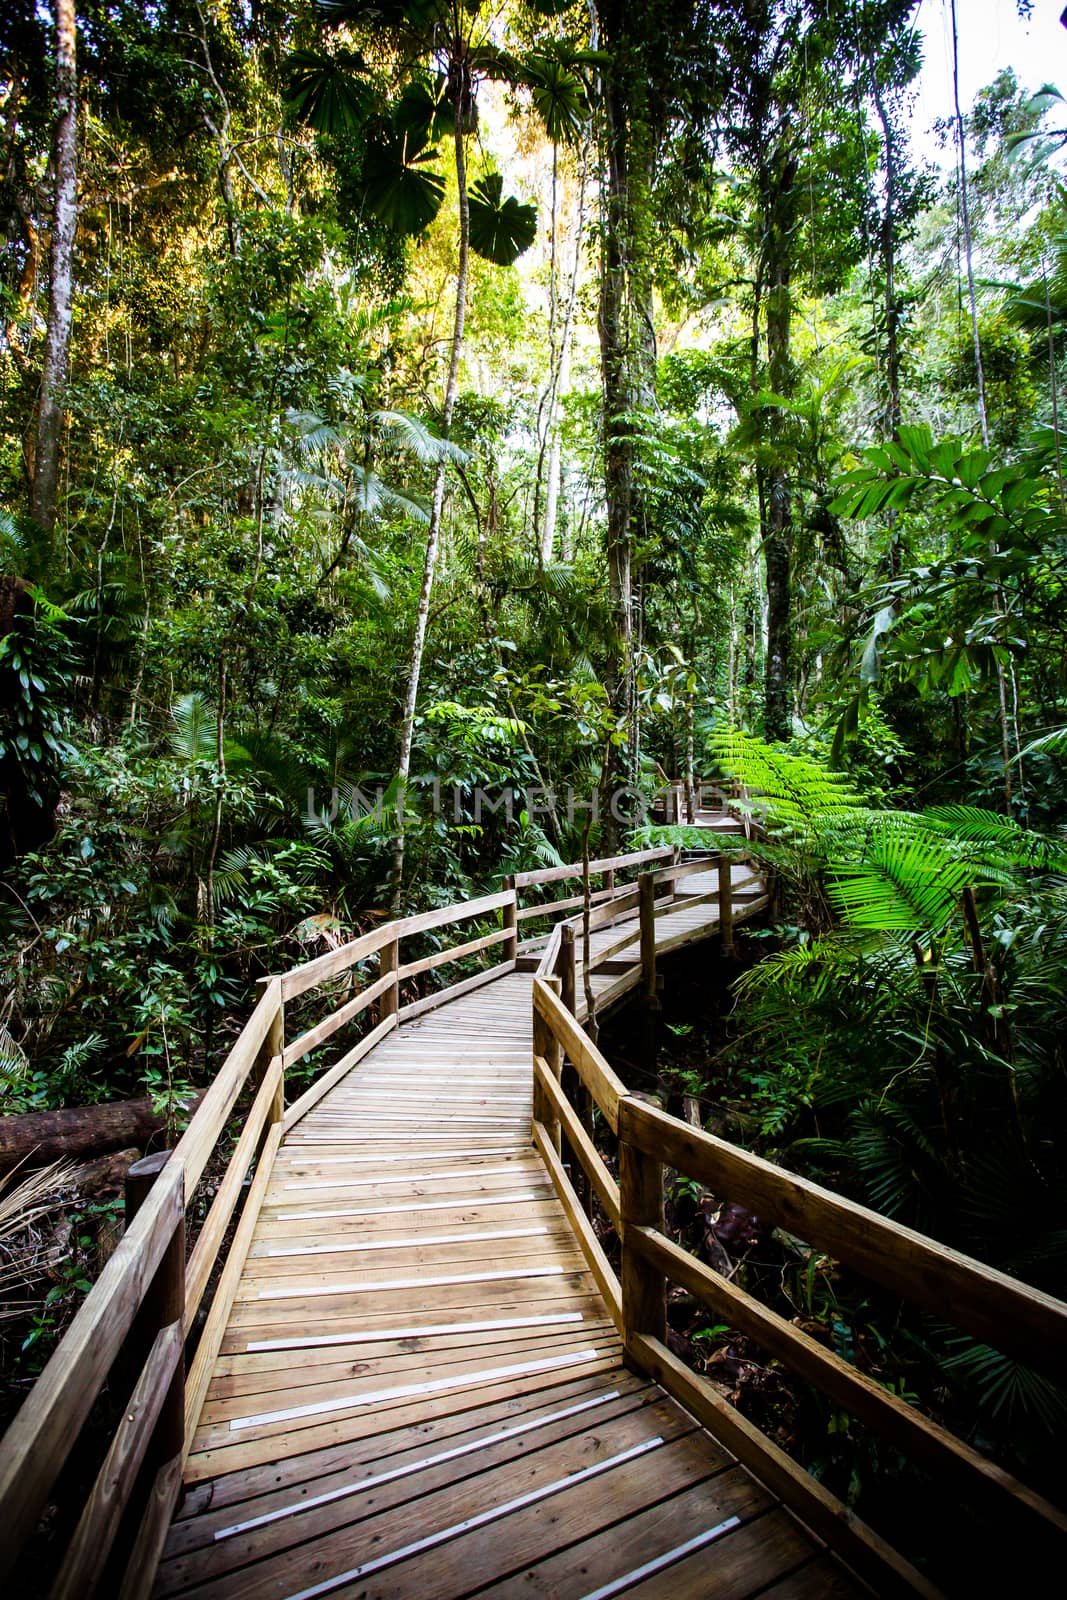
(389, 961)
(646, 888)
(644, 1288)
(566, 968)
(546, 1045)
(574, 1088)
(274, 1045)
(163, 1304)
(650, 1002)
(609, 879)
(509, 919)
(726, 906)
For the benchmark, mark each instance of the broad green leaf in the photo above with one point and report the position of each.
(404, 194)
(500, 229)
(328, 92)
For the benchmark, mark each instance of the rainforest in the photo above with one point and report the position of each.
(445, 443)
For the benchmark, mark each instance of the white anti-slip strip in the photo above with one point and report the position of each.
(356, 1118)
(292, 1161)
(352, 1402)
(436, 1282)
(371, 1095)
(460, 1203)
(409, 1177)
(403, 1241)
(432, 1330)
(479, 1521)
(361, 1486)
(310, 1140)
(658, 1563)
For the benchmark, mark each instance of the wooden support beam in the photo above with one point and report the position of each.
(567, 969)
(389, 967)
(599, 1265)
(726, 906)
(644, 1287)
(999, 1310)
(864, 1398)
(509, 921)
(607, 1190)
(87, 1554)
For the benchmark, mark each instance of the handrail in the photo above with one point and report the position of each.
(149, 1294)
(990, 1305)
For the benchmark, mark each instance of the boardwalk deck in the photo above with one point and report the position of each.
(420, 1391)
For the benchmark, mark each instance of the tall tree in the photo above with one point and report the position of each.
(447, 49)
(50, 408)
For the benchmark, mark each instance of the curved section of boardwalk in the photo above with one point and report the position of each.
(420, 1392)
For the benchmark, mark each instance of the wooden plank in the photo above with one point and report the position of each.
(690, 903)
(598, 1263)
(580, 1505)
(604, 953)
(227, 1456)
(334, 962)
(202, 1260)
(152, 1532)
(412, 969)
(856, 1393)
(39, 1438)
(323, 1085)
(215, 1326)
(644, 1286)
(432, 1001)
(428, 1539)
(195, 1147)
(875, 1561)
(1009, 1315)
(759, 1551)
(548, 908)
(88, 1551)
(210, 1505)
(606, 1087)
(686, 869)
(374, 1487)
(424, 921)
(525, 880)
(603, 916)
(322, 1031)
(607, 1190)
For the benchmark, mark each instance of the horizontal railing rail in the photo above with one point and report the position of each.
(991, 1306)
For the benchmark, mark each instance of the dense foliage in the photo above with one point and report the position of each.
(445, 401)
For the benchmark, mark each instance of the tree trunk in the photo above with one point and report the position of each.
(777, 532)
(618, 441)
(50, 411)
(42, 1136)
(433, 534)
(560, 383)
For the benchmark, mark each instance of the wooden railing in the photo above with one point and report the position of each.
(994, 1308)
(129, 1338)
(148, 1334)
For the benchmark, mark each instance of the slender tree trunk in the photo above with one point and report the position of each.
(983, 417)
(777, 531)
(561, 381)
(433, 534)
(887, 241)
(618, 441)
(50, 411)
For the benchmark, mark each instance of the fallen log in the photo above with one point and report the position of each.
(37, 1137)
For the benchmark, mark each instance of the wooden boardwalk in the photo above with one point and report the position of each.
(392, 1364)
(420, 1392)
